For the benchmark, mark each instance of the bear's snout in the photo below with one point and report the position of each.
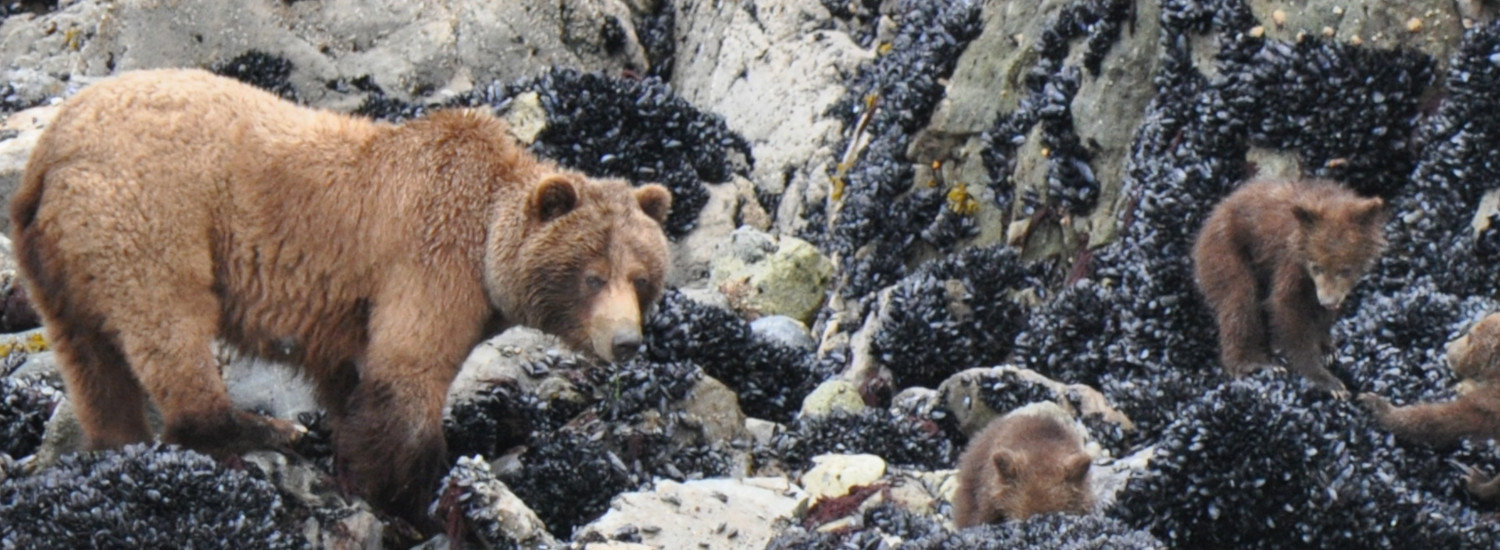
(626, 344)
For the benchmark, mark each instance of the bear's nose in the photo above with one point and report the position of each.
(626, 343)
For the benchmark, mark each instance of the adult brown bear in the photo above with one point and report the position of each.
(164, 209)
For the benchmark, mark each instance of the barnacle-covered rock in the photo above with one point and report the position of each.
(954, 313)
(1045, 532)
(1323, 476)
(770, 378)
(739, 513)
(631, 432)
(899, 439)
(260, 69)
(25, 406)
(886, 102)
(1458, 163)
(883, 526)
(144, 496)
(473, 499)
(604, 126)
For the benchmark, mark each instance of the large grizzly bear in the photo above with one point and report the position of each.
(1031, 461)
(164, 209)
(1275, 260)
(1475, 359)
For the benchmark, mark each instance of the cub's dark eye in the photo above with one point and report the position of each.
(641, 283)
(595, 282)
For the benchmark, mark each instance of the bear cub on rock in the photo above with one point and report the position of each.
(1274, 261)
(1475, 359)
(1031, 461)
(162, 210)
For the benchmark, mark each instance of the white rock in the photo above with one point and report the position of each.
(24, 128)
(722, 513)
(832, 396)
(833, 475)
(773, 74)
(409, 49)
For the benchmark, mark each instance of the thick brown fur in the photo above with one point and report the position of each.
(1030, 461)
(1275, 260)
(164, 209)
(1475, 359)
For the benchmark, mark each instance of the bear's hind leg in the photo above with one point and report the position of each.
(108, 401)
(1227, 282)
(171, 350)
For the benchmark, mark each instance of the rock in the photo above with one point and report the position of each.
(511, 355)
(269, 387)
(773, 70)
(762, 430)
(18, 135)
(359, 530)
(961, 395)
(1107, 111)
(784, 330)
(410, 51)
(714, 410)
(693, 253)
(917, 401)
(717, 512)
(832, 396)
(472, 496)
(41, 363)
(833, 476)
(28, 343)
(1375, 23)
(526, 117)
(763, 274)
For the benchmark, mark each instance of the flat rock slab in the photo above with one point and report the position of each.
(707, 513)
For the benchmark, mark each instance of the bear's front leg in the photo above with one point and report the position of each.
(1297, 323)
(389, 442)
(1435, 424)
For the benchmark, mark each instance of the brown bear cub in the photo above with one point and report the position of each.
(1030, 461)
(162, 210)
(1475, 359)
(1275, 260)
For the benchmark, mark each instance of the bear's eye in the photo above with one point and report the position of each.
(641, 284)
(595, 282)
(1315, 269)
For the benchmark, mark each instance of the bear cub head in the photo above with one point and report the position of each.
(587, 264)
(1475, 356)
(1339, 242)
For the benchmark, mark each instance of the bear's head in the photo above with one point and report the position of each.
(1475, 356)
(586, 262)
(1340, 240)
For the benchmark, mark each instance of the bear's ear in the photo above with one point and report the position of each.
(1305, 216)
(554, 197)
(655, 200)
(1077, 468)
(1008, 465)
(1371, 211)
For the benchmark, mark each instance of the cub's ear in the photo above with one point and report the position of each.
(1305, 216)
(655, 200)
(554, 197)
(1077, 468)
(1008, 465)
(1370, 212)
